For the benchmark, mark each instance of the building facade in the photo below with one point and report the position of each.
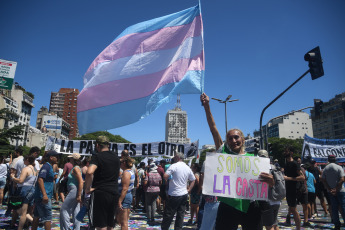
(176, 126)
(20, 104)
(329, 121)
(64, 104)
(36, 138)
(292, 126)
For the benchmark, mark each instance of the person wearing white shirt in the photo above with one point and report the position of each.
(178, 192)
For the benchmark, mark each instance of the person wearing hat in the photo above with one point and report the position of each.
(276, 163)
(269, 209)
(44, 191)
(152, 184)
(71, 205)
(101, 181)
(333, 179)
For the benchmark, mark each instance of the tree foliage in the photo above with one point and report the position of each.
(112, 138)
(279, 145)
(9, 134)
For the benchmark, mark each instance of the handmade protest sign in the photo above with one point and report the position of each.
(235, 176)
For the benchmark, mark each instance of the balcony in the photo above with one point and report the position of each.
(27, 99)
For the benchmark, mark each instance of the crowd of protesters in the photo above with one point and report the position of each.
(108, 187)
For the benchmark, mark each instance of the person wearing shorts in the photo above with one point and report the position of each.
(104, 169)
(44, 192)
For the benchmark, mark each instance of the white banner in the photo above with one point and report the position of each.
(235, 176)
(320, 149)
(85, 147)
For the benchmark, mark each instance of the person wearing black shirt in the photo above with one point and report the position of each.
(319, 188)
(293, 174)
(104, 168)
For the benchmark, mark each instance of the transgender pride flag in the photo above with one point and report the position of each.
(142, 68)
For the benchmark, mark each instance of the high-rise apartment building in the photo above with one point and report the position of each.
(329, 120)
(176, 125)
(20, 103)
(64, 104)
(292, 126)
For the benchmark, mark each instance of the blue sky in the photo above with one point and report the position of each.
(253, 50)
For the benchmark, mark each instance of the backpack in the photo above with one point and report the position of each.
(277, 192)
(301, 186)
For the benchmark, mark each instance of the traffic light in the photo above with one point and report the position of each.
(269, 148)
(256, 145)
(318, 104)
(315, 63)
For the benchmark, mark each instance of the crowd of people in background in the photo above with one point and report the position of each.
(108, 187)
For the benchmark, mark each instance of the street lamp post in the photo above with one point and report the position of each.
(292, 112)
(225, 101)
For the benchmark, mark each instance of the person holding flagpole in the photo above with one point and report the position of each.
(232, 211)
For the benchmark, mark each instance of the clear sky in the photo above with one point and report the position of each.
(253, 50)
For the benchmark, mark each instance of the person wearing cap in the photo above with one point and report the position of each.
(44, 191)
(152, 184)
(101, 181)
(71, 205)
(269, 209)
(333, 179)
(232, 211)
(178, 191)
(276, 163)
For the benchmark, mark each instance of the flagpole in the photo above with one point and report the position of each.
(203, 47)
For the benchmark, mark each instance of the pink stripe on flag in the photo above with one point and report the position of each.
(131, 44)
(136, 87)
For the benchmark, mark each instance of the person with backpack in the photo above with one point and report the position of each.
(276, 182)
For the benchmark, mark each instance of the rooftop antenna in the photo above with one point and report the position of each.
(178, 103)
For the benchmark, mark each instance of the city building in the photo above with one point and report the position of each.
(36, 138)
(64, 104)
(43, 111)
(291, 126)
(20, 103)
(329, 118)
(176, 125)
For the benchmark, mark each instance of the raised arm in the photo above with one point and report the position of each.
(205, 100)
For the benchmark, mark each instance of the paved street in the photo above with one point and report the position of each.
(138, 220)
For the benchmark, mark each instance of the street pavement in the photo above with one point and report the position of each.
(138, 219)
